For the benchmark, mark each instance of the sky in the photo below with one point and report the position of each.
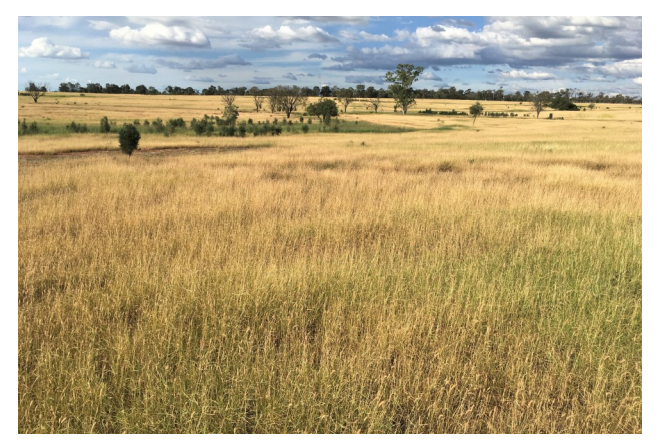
(590, 54)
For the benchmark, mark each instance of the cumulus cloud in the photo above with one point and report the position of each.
(519, 42)
(365, 36)
(267, 37)
(621, 69)
(44, 48)
(290, 76)
(199, 78)
(638, 80)
(430, 76)
(104, 65)
(23, 70)
(217, 63)
(318, 56)
(142, 68)
(157, 34)
(531, 76)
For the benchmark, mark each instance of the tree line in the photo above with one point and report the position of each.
(358, 92)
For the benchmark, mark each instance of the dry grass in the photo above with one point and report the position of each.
(452, 281)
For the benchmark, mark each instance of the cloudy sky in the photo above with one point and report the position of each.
(518, 53)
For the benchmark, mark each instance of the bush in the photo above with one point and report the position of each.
(76, 128)
(128, 139)
(305, 128)
(105, 125)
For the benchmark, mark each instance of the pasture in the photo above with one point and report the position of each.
(450, 277)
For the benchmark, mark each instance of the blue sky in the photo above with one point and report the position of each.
(518, 53)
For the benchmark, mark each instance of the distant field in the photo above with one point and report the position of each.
(418, 274)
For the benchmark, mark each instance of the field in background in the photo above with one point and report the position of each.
(458, 278)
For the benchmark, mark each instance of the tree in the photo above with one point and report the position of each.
(228, 100)
(374, 103)
(400, 89)
(289, 98)
(540, 101)
(128, 139)
(324, 108)
(231, 114)
(35, 90)
(255, 92)
(475, 110)
(105, 125)
(345, 97)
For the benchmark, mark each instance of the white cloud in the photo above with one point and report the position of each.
(104, 65)
(370, 37)
(620, 69)
(288, 34)
(159, 34)
(142, 68)
(44, 48)
(53, 75)
(638, 80)
(532, 76)
(23, 70)
(101, 25)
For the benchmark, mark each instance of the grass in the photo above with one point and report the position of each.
(454, 281)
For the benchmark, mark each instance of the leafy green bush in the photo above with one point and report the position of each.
(105, 125)
(128, 139)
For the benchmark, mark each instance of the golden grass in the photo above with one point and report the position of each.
(483, 279)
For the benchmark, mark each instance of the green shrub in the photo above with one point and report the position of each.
(305, 128)
(128, 139)
(76, 128)
(105, 125)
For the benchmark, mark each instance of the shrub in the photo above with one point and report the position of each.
(128, 139)
(305, 128)
(76, 128)
(105, 125)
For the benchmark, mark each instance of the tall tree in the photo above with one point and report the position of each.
(400, 89)
(540, 101)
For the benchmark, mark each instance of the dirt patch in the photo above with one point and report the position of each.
(163, 151)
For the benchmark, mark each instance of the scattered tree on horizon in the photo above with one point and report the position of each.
(35, 90)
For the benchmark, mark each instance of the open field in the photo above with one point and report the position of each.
(457, 278)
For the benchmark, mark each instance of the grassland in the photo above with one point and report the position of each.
(479, 278)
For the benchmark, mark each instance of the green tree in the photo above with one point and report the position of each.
(230, 114)
(475, 110)
(128, 139)
(324, 108)
(400, 89)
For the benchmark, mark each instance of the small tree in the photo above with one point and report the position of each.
(128, 139)
(228, 100)
(231, 114)
(324, 109)
(36, 91)
(105, 125)
(475, 110)
(345, 97)
(374, 103)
